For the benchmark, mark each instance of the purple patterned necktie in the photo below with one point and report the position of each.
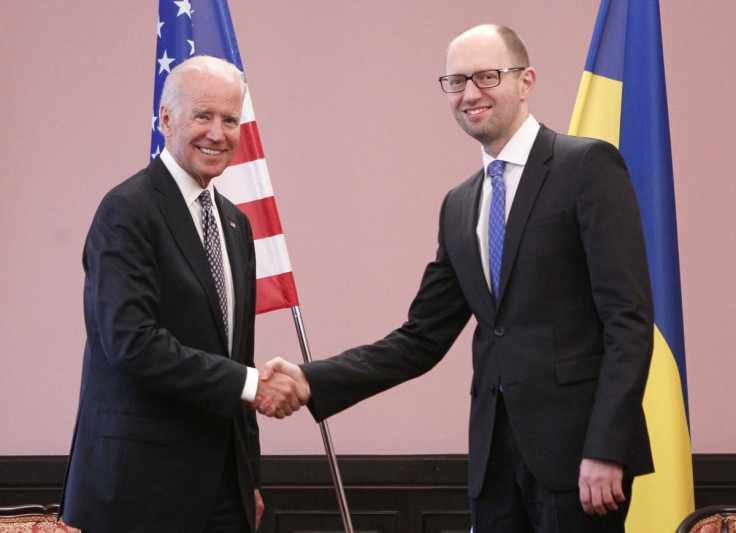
(212, 248)
(496, 223)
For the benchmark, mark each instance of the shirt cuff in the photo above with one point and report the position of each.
(251, 385)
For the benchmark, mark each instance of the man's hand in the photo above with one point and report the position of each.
(279, 394)
(600, 486)
(260, 507)
(280, 371)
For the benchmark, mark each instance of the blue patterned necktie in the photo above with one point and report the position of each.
(212, 248)
(496, 223)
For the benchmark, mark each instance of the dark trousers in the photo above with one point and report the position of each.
(228, 515)
(512, 500)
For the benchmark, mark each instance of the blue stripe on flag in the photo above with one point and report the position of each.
(209, 14)
(605, 57)
(645, 144)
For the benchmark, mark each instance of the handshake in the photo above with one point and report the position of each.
(282, 389)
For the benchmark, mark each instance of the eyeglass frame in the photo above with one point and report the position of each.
(474, 74)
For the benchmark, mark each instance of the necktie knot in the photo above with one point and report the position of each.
(495, 170)
(205, 199)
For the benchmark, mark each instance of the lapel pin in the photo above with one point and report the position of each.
(232, 225)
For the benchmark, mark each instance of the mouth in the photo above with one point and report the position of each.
(476, 110)
(209, 151)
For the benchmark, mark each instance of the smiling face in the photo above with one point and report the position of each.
(202, 131)
(493, 115)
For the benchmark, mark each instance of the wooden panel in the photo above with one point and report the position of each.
(441, 509)
(396, 494)
(331, 522)
(715, 479)
(447, 522)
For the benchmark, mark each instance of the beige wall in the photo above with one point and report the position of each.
(359, 172)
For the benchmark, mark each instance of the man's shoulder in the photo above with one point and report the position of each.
(462, 196)
(134, 196)
(469, 183)
(552, 148)
(570, 142)
(141, 182)
(138, 181)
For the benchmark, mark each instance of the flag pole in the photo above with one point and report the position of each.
(326, 438)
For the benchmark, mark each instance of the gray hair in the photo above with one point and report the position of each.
(213, 66)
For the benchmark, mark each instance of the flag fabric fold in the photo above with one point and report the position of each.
(204, 27)
(622, 99)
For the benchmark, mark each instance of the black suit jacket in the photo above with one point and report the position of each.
(571, 339)
(160, 398)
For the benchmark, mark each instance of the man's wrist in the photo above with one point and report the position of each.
(250, 388)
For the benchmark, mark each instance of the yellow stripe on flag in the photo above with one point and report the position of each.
(597, 111)
(672, 485)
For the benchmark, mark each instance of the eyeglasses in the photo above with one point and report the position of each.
(485, 79)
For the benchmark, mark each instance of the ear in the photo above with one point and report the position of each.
(526, 83)
(164, 118)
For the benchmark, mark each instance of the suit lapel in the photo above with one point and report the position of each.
(179, 221)
(471, 203)
(236, 254)
(534, 175)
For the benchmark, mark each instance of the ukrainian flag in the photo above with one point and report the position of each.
(623, 100)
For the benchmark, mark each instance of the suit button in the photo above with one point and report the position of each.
(500, 331)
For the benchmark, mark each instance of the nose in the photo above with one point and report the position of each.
(471, 92)
(216, 132)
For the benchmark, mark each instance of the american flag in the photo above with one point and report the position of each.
(204, 27)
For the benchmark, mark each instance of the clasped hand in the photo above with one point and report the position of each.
(282, 389)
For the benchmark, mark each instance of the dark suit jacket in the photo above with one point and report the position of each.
(571, 340)
(159, 397)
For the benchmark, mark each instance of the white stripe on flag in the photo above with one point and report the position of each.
(246, 182)
(247, 114)
(272, 257)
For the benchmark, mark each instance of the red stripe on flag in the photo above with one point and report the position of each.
(249, 147)
(263, 216)
(276, 292)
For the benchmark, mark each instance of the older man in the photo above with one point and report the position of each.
(164, 439)
(544, 247)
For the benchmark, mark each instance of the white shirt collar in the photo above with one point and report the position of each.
(189, 188)
(517, 149)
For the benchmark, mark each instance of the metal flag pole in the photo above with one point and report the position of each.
(334, 469)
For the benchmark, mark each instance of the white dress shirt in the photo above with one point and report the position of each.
(515, 155)
(191, 190)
